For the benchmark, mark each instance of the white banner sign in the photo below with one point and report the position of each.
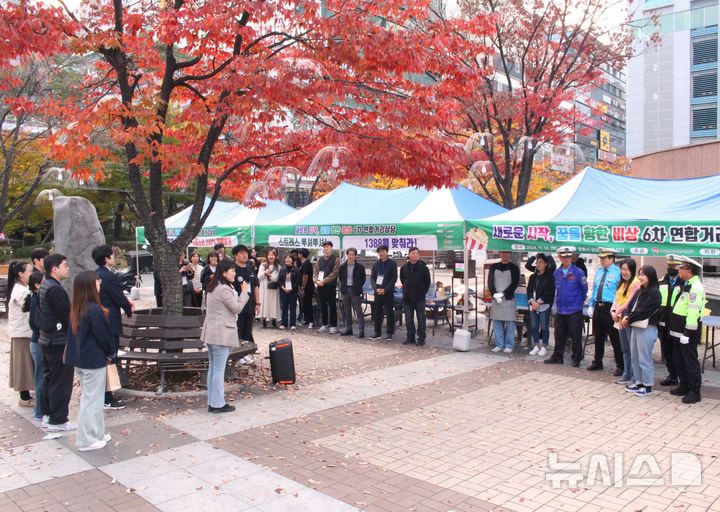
(298, 241)
(394, 243)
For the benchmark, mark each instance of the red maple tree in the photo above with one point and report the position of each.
(545, 53)
(206, 95)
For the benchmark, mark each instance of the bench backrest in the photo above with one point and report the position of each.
(152, 329)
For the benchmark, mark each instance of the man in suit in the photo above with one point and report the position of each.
(351, 278)
(113, 298)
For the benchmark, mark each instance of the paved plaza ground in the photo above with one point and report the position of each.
(377, 426)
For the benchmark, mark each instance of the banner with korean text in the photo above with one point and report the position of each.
(630, 238)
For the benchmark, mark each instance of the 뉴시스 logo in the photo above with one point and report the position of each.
(609, 470)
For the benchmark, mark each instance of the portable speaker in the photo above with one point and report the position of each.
(282, 362)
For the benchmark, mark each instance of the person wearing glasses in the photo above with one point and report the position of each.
(571, 288)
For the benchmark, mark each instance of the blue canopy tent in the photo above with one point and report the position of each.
(229, 222)
(365, 218)
(634, 216)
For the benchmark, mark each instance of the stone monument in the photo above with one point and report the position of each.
(77, 231)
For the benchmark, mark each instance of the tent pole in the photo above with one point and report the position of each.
(466, 294)
(433, 262)
(137, 255)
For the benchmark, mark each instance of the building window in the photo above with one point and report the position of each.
(704, 85)
(704, 119)
(705, 51)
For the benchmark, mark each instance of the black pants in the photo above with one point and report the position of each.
(245, 322)
(57, 385)
(327, 297)
(667, 348)
(307, 306)
(688, 366)
(603, 328)
(571, 325)
(384, 304)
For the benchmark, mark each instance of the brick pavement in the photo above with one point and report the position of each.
(370, 426)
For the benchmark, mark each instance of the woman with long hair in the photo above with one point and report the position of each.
(269, 289)
(90, 348)
(642, 315)
(541, 294)
(219, 331)
(626, 290)
(196, 281)
(289, 279)
(30, 306)
(22, 368)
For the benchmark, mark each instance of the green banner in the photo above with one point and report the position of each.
(426, 235)
(634, 238)
(207, 237)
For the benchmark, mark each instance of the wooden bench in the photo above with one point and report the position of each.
(172, 343)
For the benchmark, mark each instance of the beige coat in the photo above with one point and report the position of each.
(223, 306)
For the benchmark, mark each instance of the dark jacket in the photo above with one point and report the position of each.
(415, 279)
(53, 314)
(306, 269)
(93, 344)
(205, 276)
(542, 286)
(388, 270)
(34, 299)
(294, 278)
(580, 263)
(113, 298)
(358, 276)
(645, 305)
(509, 293)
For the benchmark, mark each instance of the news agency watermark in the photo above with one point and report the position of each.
(677, 469)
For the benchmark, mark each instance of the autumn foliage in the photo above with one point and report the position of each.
(206, 95)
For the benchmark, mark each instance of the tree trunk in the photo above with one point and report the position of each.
(166, 266)
(117, 222)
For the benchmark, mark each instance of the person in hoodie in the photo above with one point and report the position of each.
(541, 294)
(415, 279)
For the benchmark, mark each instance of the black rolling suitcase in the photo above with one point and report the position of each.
(282, 362)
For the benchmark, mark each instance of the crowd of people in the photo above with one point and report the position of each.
(53, 339)
(628, 305)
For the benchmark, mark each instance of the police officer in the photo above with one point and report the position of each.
(670, 288)
(571, 288)
(685, 330)
(605, 285)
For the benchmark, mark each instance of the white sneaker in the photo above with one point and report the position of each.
(282, 327)
(534, 351)
(310, 325)
(497, 349)
(508, 351)
(62, 427)
(332, 330)
(323, 328)
(247, 360)
(542, 352)
(107, 438)
(95, 446)
(292, 327)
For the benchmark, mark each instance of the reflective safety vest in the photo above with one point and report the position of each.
(687, 312)
(668, 297)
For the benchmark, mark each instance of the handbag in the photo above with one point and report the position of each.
(273, 285)
(112, 382)
(641, 324)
